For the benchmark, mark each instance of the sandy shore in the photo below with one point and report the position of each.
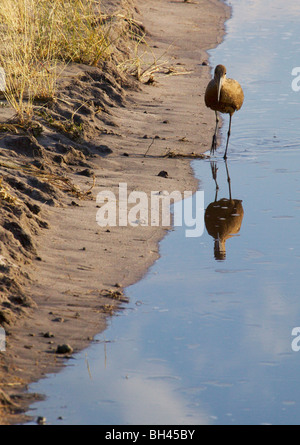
(78, 270)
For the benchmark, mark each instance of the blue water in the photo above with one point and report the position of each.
(206, 341)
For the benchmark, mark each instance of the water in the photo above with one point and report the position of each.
(206, 340)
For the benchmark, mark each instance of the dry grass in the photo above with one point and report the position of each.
(5, 195)
(39, 37)
(142, 62)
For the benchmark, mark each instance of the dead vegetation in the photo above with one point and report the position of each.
(37, 38)
(114, 295)
(177, 155)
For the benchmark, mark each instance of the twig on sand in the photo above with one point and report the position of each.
(171, 71)
(149, 147)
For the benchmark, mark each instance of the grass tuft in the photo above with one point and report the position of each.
(38, 38)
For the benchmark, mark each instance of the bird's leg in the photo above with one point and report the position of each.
(228, 136)
(214, 139)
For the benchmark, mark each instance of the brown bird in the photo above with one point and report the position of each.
(223, 95)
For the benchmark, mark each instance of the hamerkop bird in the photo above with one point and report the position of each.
(223, 95)
(223, 218)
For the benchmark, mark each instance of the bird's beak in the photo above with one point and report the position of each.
(220, 83)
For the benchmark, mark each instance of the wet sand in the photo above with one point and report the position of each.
(78, 270)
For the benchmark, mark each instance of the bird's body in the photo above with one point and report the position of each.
(231, 96)
(225, 96)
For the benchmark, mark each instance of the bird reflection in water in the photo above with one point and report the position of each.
(223, 217)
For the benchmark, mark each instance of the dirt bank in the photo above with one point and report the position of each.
(63, 275)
